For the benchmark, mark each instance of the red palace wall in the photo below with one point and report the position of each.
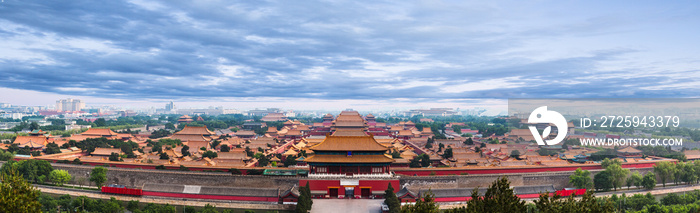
(505, 170)
(213, 197)
(374, 185)
(463, 199)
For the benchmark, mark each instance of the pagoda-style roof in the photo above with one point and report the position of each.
(185, 118)
(350, 132)
(99, 132)
(106, 151)
(396, 128)
(233, 155)
(349, 143)
(245, 133)
(185, 138)
(38, 132)
(32, 145)
(349, 159)
(195, 130)
(405, 133)
(349, 119)
(290, 152)
(293, 132)
(196, 145)
(630, 150)
(20, 140)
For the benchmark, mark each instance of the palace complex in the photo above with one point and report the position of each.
(348, 155)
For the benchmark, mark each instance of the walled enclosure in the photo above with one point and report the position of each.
(138, 177)
(558, 179)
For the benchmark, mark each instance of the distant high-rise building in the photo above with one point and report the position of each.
(169, 106)
(69, 105)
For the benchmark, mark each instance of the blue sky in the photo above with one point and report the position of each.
(263, 53)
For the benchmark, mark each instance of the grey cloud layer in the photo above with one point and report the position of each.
(326, 50)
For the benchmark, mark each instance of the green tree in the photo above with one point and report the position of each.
(48, 203)
(395, 154)
(665, 170)
(235, 171)
(448, 153)
(469, 141)
(639, 201)
(98, 176)
(209, 154)
(17, 195)
(415, 162)
(649, 181)
(64, 201)
(687, 172)
(499, 197)
(52, 148)
(618, 174)
(425, 204)
(304, 201)
(59, 176)
(190, 209)
(515, 154)
(425, 160)
(587, 203)
(225, 148)
(634, 180)
(33, 126)
(30, 169)
(603, 181)
(263, 161)
(114, 157)
(581, 179)
(209, 209)
(607, 162)
(164, 156)
(290, 161)
(391, 200)
(132, 205)
(100, 122)
(6, 155)
(185, 150)
(159, 134)
(111, 206)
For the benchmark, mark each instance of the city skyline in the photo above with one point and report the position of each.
(311, 55)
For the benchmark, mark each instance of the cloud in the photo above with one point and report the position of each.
(429, 51)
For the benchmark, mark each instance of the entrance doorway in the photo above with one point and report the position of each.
(333, 192)
(349, 192)
(365, 192)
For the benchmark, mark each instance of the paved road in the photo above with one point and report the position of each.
(346, 205)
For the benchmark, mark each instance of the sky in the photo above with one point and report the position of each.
(345, 54)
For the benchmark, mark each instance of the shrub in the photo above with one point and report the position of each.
(255, 172)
